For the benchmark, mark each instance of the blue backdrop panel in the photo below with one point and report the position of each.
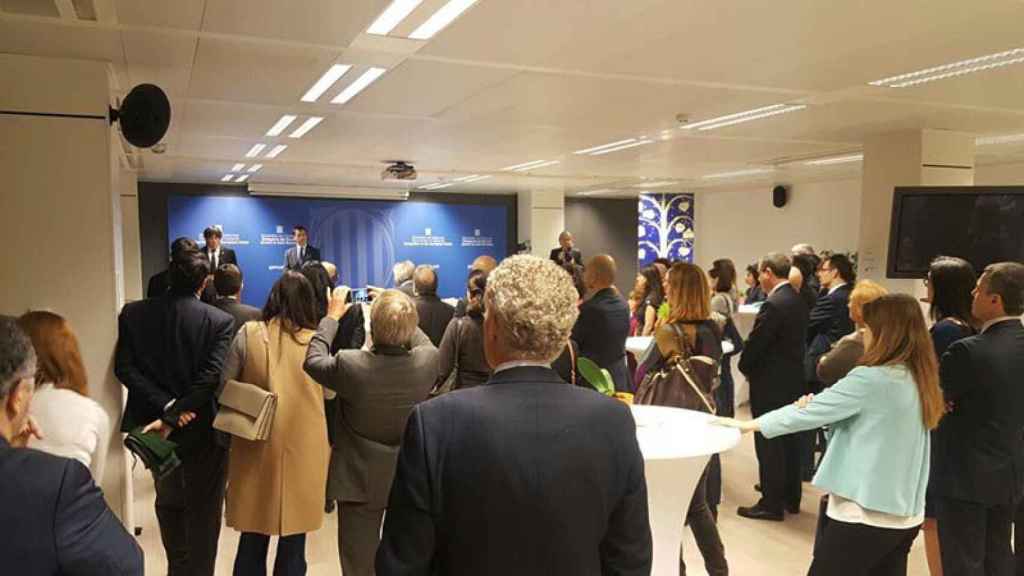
(363, 238)
(666, 228)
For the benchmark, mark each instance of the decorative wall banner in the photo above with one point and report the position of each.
(364, 239)
(665, 229)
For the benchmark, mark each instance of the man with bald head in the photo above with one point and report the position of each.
(603, 325)
(435, 314)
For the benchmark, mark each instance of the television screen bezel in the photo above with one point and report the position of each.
(899, 192)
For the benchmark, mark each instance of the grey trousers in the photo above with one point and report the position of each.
(358, 537)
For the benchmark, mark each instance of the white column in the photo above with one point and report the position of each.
(541, 217)
(58, 220)
(911, 158)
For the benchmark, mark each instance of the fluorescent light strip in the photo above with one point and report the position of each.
(750, 172)
(255, 150)
(835, 160)
(465, 178)
(325, 82)
(524, 165)
(228, 178)
(767, 114)
(971, 63)
(391, 16)
(1005, 139)
(238, 167)
(731, 116)
(623, 147)
(955, 73)
(276, 150)
(306, 126)
(242, 178)
(281, 124)
(477, 179)
(443, 17)
(438, 185)
(254, 168)
(359, 85)
(542, 165)
(610, 145)
(658, 184)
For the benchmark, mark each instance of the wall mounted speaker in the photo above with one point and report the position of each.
(780, 194)
(144, 115)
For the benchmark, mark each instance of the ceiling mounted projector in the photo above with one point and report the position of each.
(398, 170)
(144, 115)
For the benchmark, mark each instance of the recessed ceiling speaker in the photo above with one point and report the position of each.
(780, 194)
(144, 115)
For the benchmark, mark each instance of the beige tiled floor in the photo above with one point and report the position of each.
(752, 548)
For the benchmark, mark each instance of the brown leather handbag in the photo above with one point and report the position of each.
(683, 381)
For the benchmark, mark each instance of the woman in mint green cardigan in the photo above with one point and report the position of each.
(876, 466)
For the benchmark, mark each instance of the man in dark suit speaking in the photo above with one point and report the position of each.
(55, 520)
(773, 362)
(565, 255)
(980, 461)
(603, 325)
(214, 253)
(302, 252)
(523, 474)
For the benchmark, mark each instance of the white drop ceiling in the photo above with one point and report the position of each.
(515, 81)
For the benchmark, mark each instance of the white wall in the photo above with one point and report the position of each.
(59, 219)
(742, 224)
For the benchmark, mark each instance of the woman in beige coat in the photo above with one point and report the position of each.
(276, 486)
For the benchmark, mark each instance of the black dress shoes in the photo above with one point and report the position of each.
(793, 508)
(756, 512)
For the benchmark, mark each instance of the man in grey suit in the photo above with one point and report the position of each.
(377, 390)
(302, 252)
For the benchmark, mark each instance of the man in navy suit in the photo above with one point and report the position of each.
(55, 520)
(302, 252)
(979, 466)
(566, 255)
(773, 362)
(603, 325)
(524, 474)
(830, 317)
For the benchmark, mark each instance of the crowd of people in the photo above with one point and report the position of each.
(382, 413)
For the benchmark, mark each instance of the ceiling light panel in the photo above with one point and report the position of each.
(242, 178)
(836, 160)
(524, 165)
(440, 19)
(254, 168)
(276, 150)
(982, 63)
(333, 74)
(238, 167)
(281, 124)
(736, 173)
(255, 150)
(535, 166)
(358, 85)
(747, 116)
(623, 147)
(1004, 139)
(603, 146)
(391, 16)
(306, 126)
(228, 178)
(477, 178)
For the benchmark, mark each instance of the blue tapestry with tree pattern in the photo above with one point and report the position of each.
(666, 228)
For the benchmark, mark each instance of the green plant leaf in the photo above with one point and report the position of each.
(599, 378)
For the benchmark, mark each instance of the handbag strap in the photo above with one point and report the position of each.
(572, 368)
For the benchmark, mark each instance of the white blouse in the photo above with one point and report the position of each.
(73, 426)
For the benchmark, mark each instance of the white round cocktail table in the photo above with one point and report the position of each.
(676, 445)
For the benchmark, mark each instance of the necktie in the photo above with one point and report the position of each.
(216, 259)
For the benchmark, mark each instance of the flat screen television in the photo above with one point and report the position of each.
(981, 224)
